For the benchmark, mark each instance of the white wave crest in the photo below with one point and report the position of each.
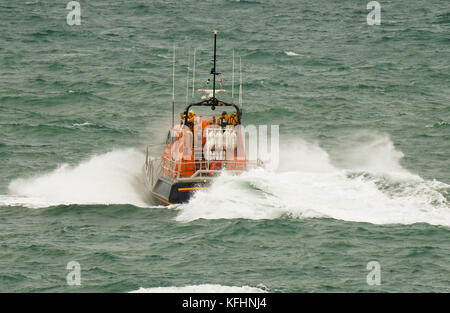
(81, 124)
(376, 189)
(111, 178)
(291, 53)
(205, 288)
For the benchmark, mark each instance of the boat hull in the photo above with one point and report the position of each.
(172, 192)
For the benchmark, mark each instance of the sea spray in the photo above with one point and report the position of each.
(111, 178)
(309, 185)
(368, 185)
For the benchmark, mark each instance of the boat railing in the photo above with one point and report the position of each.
(193, 170)
(153, 169)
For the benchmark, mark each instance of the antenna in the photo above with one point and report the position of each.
(213, 70)
(240, 85)
(232, 82)
(187, 77)
(173, 87)
(193, 75)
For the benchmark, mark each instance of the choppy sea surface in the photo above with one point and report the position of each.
(364, 119)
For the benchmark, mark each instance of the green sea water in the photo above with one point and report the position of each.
(364, 119)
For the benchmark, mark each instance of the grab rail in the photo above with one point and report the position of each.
(191, 170)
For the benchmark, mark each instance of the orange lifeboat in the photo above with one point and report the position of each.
(197, 150)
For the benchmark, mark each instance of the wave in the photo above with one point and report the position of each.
(291, 53)
(81, 124)
(438, 124)
(111, 178)
(206, 288)
(365, 183)
(369, 186)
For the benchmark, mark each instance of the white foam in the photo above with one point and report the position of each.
(81, 124)
(376, 154)
(111, 178)
(377, 190)
(291, 53)
(205, 288)
(369, 185)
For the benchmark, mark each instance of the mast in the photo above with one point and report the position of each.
(211, 101)
(213, 70)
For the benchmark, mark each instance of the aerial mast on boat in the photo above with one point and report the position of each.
(211, 99)
(213, 70)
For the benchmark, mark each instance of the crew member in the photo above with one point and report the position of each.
(233, 120)
(222, 121)
(182, 117)
(191, 119)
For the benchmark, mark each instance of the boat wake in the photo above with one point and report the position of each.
(111, 178)
(368, 185)
(364, 184)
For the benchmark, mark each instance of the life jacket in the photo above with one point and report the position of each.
(191, 119)
(190, 122)
(233, 120)
(222, 121)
